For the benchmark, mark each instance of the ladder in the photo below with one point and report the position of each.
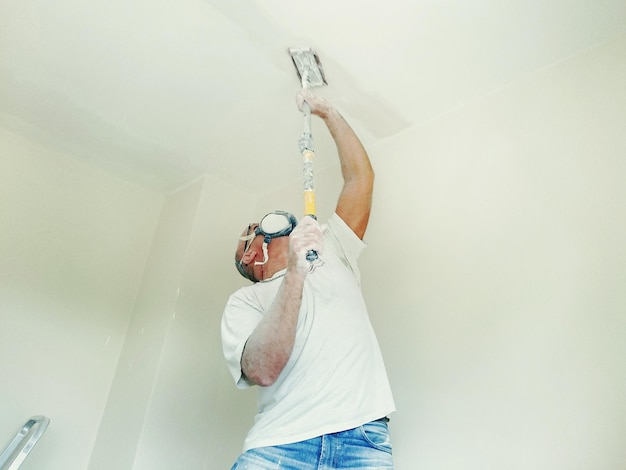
(14, 455)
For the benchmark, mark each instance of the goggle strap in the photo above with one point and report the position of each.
(265, 256)
(248, 237)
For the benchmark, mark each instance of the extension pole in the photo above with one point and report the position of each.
(308, 155)
(310, 72)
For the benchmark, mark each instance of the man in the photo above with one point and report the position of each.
(302, 333)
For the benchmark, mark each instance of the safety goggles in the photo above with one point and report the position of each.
(273, 225)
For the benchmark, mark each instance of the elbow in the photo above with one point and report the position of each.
(266, 381)
(261, 378)
(370, 173)
(364, 179)
(263, 372)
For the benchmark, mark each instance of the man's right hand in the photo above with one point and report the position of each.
(319, 106)
(305, 237)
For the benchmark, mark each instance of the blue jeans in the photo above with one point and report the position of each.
(365, 447)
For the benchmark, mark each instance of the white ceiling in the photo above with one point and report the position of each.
(160, 92)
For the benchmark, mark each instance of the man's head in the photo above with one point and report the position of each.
(256, 258)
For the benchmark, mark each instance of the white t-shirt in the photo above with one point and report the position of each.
(335, 378)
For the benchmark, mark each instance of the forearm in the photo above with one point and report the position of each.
(269, 347)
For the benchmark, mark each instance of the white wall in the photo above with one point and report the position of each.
(195, 418)
(73, 244)
(172, 403)
(497, 271)
(132, 387)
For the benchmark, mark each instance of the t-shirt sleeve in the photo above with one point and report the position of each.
(344, 242)
(239, 320)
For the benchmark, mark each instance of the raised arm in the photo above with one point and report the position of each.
(355, 200)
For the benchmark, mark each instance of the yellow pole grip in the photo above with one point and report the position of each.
(309, 202)
(309, 184)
